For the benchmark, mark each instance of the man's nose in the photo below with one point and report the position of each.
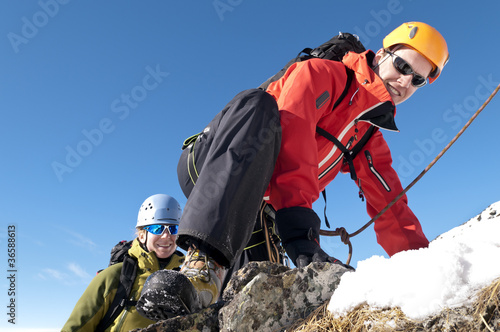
(405, 80)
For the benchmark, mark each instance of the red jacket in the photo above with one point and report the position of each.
(307, 162)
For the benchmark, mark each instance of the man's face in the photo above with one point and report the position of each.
(163, 245)
(398, 85)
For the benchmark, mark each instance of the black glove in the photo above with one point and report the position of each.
(298, 228)
(304, 252)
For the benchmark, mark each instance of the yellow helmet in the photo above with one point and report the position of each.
(425, 40)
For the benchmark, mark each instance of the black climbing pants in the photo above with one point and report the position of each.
(231, 162)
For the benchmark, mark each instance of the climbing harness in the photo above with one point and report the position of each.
(345, 236)
(275, 251)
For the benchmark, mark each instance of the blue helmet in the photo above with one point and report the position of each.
(159, 209)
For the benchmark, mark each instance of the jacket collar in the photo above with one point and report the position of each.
(149, 261)
(383, 112)
(146, 260)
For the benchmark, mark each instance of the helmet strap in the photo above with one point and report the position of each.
(381, 60)
(144, 245)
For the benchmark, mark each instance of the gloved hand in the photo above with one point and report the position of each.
(303, 252)
(298, 228)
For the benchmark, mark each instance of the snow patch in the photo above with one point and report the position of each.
(423, 282)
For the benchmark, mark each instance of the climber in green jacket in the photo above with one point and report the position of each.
(153, 249)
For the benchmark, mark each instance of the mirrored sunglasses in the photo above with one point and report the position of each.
(404, 68)
(159, 229)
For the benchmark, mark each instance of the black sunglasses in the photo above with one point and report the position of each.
(159, 229)
(404, 68)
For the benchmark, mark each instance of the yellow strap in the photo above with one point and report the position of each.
(255, 245)
(191, 156)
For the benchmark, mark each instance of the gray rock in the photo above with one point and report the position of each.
(262, 296)
(266, 297)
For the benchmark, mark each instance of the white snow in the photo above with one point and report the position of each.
(423, 282)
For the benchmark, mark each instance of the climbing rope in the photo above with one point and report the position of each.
(345, 236)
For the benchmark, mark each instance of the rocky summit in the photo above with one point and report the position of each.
(262, 296)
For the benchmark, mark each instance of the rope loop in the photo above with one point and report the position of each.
(344, 235)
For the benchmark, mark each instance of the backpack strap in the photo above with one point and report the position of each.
(361, 143)
(350, 76)
(349, 155)
(121, 299)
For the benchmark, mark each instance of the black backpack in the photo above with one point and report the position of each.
(334, 49)
(119, 253)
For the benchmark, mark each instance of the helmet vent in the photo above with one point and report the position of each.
(413, 32)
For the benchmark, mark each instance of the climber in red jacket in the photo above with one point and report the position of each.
(264, 145)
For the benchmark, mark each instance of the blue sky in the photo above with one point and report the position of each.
(97, 97)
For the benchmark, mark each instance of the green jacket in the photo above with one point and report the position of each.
(99, 295)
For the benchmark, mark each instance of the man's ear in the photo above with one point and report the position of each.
(142, 237)
(378, 56)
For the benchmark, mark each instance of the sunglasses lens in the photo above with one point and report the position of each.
(404, 68)
(173, 229)
(155, 229)
(418, 81)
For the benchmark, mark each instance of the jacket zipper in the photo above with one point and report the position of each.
(121, 319)
(332, 165)
(375, 172)
(122, 316)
